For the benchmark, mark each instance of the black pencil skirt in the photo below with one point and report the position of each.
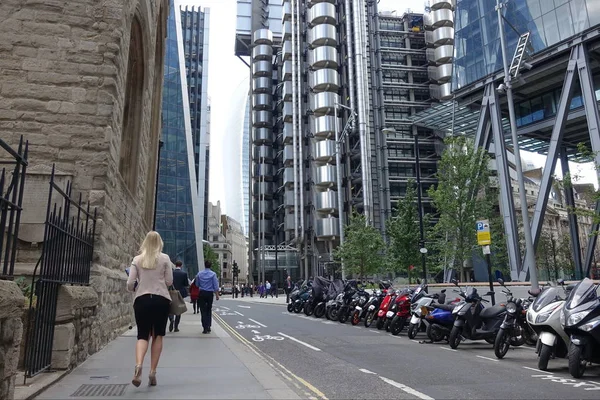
(151, 315)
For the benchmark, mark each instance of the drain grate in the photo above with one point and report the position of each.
(100, 390)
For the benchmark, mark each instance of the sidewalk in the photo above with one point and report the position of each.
(257, 299)
(192, 366)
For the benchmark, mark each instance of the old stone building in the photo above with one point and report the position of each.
(82, 80)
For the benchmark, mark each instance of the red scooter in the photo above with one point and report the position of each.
(402, 307)
(382, 314)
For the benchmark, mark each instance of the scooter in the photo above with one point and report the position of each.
(440, 320)
(372, 306)
(359, 306)
(473, 321)
(514, 330)
(417, 320)
(403, 308)
(386, 303)
(346, 307)
(581, 319)
(544, 318)
(335, 287)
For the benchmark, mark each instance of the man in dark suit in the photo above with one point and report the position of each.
(181, 283)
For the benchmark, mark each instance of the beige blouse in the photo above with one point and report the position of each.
(151, 281)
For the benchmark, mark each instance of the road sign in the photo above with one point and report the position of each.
(484, 237)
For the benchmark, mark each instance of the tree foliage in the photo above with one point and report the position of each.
(211, 255)
(403, 233)
(362, 250)
(460, 198)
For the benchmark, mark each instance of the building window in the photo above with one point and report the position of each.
(225, 255)
(132, 111)
(224, 275)
(224, 265)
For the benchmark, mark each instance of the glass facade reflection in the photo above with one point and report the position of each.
(178, 181)
(477, 52)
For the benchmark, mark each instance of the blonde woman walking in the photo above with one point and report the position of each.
(153, 271)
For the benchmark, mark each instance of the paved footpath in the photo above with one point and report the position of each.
(192, 366)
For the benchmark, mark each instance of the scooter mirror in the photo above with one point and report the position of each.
(501, 281)
(454, 281)
(443, 290)
(561, 282)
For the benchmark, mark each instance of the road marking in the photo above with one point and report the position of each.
(259, 338)
(487, 358)
(257, 323)
(239, 313)
(283, 371)
(406, 389)
(328, 322)
(376, 331)
(225, 308)
(244, 307)
(538, 370)
(445, 348)
(255, 332)
(357, 327)
(242, 326)
(366, 371)
(299, 341)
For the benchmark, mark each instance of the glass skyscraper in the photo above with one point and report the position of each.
(183, 169)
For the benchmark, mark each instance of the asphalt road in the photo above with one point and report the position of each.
(340, 361)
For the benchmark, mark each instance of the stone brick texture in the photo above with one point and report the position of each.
(12, 304)
(63, 71)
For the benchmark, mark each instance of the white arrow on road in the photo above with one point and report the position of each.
(257, 332)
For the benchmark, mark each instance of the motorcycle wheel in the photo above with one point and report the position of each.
(413, 329)
(290, 307)
(544, 357)
(319, 311)
(386, 325)
(297, 308)
(502, 343)
(369, 318)
(308, 309)
(576, 362)
(434, 334)
(355, 317)
(380, 323)
(454, 338)
(332, 314)
(518, 339)
(343, 315)
(397, 325)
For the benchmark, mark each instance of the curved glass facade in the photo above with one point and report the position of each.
(477, 51)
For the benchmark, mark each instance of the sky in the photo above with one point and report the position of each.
(228, 84)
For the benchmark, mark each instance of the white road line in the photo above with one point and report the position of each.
(328, 322)
(244, 307)
(446, 348)
(406, 389)
(376, 331)
(539, 370)
(366, 371)
(257, 323)
(239, 313)
(487, 358)
(299, 341)
(224, 308)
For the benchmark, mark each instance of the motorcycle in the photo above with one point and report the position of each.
(544, 318)
(417, 320)
(440, 320)
(475, 322)
(580, 318)
(317, 294)
(514, 330)
(350, 291)
(300, 298)
(361, 299)
(403, 307)
(335, 287)
(384, 312)
(372, 306)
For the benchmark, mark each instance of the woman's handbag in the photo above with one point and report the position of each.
(178, 306)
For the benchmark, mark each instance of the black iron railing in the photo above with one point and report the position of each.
(66, 259)
(11, 201)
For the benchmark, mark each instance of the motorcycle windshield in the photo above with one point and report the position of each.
(548, 295)
(584, 292)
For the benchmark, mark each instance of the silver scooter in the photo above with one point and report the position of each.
(544, 318)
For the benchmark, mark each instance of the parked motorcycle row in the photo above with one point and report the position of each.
(561, 321)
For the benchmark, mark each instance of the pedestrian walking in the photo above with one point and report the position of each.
(194, 293)
(274, 289)
(288, 285)
(181, 284)
(268, 289)
(209, 286)
(153, 272)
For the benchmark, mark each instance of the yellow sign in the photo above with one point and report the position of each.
(484, 237)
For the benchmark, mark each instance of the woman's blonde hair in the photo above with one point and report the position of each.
(150, 250)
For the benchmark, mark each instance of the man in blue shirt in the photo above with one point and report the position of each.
(208, 283)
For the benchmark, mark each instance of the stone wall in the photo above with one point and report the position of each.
(63, 86)
(12, 304)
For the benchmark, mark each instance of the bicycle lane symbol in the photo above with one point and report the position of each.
(261, 338)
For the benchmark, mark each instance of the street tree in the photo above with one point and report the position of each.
(403, 233)
(363, 247)
(461, 198)
(211, 255)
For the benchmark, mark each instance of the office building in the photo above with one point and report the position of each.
(183, 170)
(321, 73)
(551, 51)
